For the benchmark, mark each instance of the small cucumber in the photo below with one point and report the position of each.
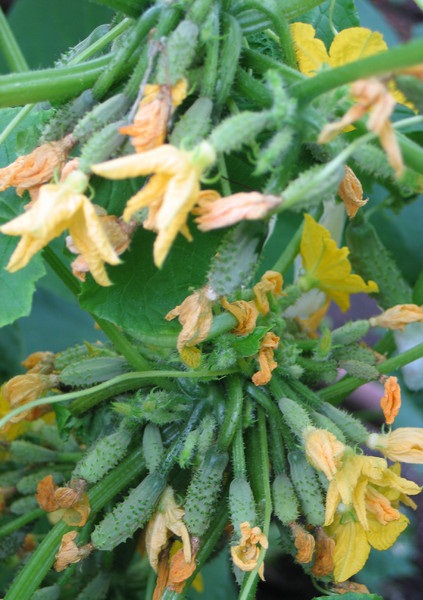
(203, 492)
(130, 514)
(352, 428)
(285, 502)
(152, 446)
(306, 484)
(241, 503)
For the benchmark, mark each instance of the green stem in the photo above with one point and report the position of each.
(262, 63)
(10, 47)
(339, 390)
(291, 250)
(33, 573)
(238, 455)
(265, 499)
(101, 42)
(233, 412)
(19, 522)
(67, 457)
(15, 122)
(378, 64)
(53, 84)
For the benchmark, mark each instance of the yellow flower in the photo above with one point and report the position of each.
(265, 357)
(215, 212)
(327, 266)
(167, 520)
(390, 402)
(171, 193)
(246, 554)
(350, 191)
(404, 444)
(349, 45)
(196, 317)
(60, 207)
(362, 510)
(149, 128)
(397, 317)
(323, 450)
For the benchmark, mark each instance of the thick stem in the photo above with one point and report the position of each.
(232, 414)
(19, 522)
(33, 573)
(378, 64)
(10, 47)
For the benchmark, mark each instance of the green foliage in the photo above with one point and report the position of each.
(344, 15)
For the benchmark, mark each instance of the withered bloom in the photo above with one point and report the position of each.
(245, 313)
(245, 555)
(30, 171)
(196, 317)
(350, 191)
(323, 450)
(69, 503)
(398, 316)
(69, 552)
(390, 402)
(323, 561)
(304, 543)
(265, 357)
(270, 283)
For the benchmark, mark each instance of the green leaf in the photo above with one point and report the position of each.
(142, 295)
(249, 345)
(344, 16)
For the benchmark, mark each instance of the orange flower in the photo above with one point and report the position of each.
(216, 212)
(390, 402)
(304, 543)
(325, 547)
(246, 554)
(371, 96)
(149, 128)
(69, 552)
(39, 361)
(271, 282)
(345, 587)
(68, 503)
(245, 313)
(30, 171)
(323, 450)
(265, 357)
(350, 191)
(23, 389)
(397, 317)
(196, 317)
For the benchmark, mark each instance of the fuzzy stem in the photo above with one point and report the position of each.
(339, 390)
(19, 522)
(10, 47)
(378, 64)
(238, 454)
(290, 251)
(33, 573)
(232, 414)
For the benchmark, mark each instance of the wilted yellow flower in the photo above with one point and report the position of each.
(323, 561)
(69, 552)
(245, 313)
(60, 207)
(397, 317)
(39, 362)
(196, 317)
(68, 503)
(9, 431)
(118, 233)
(270, 283)
(171, 192)
(371, 96)
(23, 389)
(167, 520)
(30, 171)
(404, 444)
(350, 191)
(348, 45)
(390, 402)
(245, 555)
(304, 543)
(216, 212)
(327, 266)
(346, 587)
(265, 357)
(323, 450)
(149, 128)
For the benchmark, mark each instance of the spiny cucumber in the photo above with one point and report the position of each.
(304, 479)
(285, 502)
(241, 503)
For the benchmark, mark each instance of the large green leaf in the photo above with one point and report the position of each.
(142, 295)
(344, 16)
